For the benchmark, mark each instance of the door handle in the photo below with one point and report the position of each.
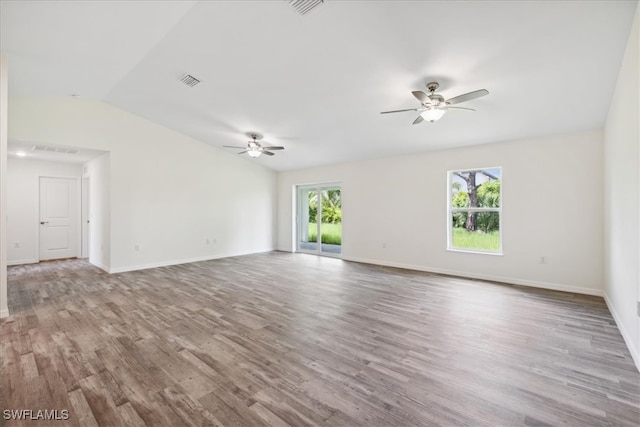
(44, 222)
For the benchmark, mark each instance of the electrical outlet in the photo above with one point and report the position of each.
(16, 245)
(542, 260)
(207, 241)
(136, 248)
(384, 245)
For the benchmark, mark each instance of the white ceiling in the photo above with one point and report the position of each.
(317, 83)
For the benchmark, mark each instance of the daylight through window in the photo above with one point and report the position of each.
(475, 210)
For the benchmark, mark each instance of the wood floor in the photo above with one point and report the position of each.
(290, 339)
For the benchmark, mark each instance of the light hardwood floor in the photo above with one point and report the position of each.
(291, 339)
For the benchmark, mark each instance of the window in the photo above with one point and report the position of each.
(475, 211)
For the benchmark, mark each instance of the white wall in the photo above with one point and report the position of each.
(168, 193)
(622, 196)
(98, 171)
(4, 309)
(23, 189)
(552, 207)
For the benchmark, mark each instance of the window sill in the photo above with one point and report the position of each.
(471, 251)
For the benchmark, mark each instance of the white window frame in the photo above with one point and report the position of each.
(451, 210)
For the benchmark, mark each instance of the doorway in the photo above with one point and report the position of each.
(320, 214)
(59, 218)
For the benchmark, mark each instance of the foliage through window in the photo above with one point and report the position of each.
(331, 202)
(475, 210)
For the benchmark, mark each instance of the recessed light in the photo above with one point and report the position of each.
(21, 154)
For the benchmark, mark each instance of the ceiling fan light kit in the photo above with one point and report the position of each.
(433, 114)
(434, 106)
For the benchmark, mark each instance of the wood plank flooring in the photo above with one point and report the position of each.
(284, 339)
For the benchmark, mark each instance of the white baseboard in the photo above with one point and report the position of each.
(623, 331)
(22, 261)
(100, 266)
(492, 278)
(4, 313)
(180, 261)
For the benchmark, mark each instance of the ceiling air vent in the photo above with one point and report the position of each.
(304, 6)
(51, 149)
(189, 80)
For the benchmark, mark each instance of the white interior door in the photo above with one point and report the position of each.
(58, 218)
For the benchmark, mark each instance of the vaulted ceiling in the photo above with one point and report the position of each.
(316, 83)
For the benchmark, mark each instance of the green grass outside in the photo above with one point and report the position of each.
(464, 239)
(331, 233)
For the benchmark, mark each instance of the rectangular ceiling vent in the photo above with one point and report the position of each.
(305, 6)
(189, 80)
(49, 149)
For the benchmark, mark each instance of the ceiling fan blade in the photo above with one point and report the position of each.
(467, 96)
(268, 153)
(400, 111)
(242, 152)
(419, 119)
(272, 147)
(461, 108)
(421, 96)
(233, 146)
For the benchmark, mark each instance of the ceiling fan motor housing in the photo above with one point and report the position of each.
(437, 99)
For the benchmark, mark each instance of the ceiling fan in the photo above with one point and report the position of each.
(254, 148)
(433, 106)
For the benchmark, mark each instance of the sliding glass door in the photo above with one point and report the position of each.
(307, 219)
(320, 214)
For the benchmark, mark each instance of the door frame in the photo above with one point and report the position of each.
(297, 220)
(86, 216)
(78, 212)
